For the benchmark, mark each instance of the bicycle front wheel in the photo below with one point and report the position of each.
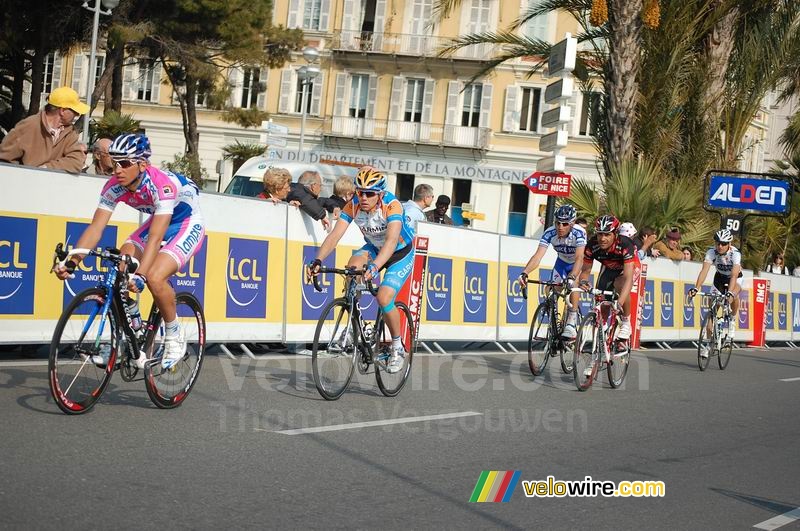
(391, 384)
(77, 379)
(333, 356)
(705, 345)
(168, 388)
(587, 348)
(617, 368)
(725, 353)
(540, 340)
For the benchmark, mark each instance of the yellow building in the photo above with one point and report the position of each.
(383, 95)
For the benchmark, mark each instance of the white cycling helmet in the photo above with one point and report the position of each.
(723, 236)
(627, 229)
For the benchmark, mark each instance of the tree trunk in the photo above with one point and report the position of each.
(114, 101)
(192, 135)
(17, 105)
(718, 48)
(622, 86)
(37, 75)
(113, 57)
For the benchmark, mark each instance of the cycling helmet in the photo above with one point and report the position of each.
(368, 178)
(606, 224)
(627, 229)
(130, 146)
(723, 236)
(566, 214)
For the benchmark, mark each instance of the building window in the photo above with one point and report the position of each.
(404, 190)
(518, 209)
(589, 114)
(415, 89)
(145, 92)
(359, 89)
(529, 111)
(471, 112)
(251, 86)
(47, 74)
(298, 101)
(311, 12)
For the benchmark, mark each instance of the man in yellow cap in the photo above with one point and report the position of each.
(48, 139)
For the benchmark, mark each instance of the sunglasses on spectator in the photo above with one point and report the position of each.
(125, 163)
(366, 193)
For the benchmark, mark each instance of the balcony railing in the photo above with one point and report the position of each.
(414, 132)
(404, 44)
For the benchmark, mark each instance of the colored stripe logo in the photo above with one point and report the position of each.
(495, 486)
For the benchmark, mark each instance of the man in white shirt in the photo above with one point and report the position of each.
(423, 197)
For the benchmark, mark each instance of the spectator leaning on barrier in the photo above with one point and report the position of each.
(670, 246)
(777, 266)
(306, 192)
(101, 160)
(439, 214)
(629, 230)
(687, 253)
(276, 185)
(644, 241)
(48, 139)
(423, 197)
(796, 271)
(343, 190)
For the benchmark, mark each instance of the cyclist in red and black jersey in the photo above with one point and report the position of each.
(616, 253)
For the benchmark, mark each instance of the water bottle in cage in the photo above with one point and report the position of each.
(132, 306)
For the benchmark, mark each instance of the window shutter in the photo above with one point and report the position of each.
(129, 83)
(427, 101)
(56, 70)
(397, 101)
(348, 18)
(156, 87)
(316, 94)
(451, 117)
(486, 106)
(284, 105)
(324, 10)
(235, 76)
(293, 21)
(261, 103)
(372, 95)
(77, 74)
(339, 94)
(380, 18)
(511, 114)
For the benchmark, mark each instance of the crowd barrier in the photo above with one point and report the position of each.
(249, 273)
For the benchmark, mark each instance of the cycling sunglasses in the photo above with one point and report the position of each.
(366, 193)
(125, 163)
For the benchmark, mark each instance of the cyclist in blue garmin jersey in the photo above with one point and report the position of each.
(380, 217)
(569, 241)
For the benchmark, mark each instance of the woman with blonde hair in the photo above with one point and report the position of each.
(276, 185)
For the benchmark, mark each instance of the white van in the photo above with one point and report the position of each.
(249, 178)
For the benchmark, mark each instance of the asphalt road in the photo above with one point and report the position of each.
(726, 444)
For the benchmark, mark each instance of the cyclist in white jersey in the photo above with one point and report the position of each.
(728, 261)
(569, 241)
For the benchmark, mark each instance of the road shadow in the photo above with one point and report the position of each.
(773, 506)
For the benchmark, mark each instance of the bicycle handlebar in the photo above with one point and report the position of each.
(60, 257)
(347, 272)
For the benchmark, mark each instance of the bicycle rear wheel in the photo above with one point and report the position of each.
(706, 341)
(540, 340)
(76, 382)
(333, 356)
(586, 360)
(391, 384)
(725, 353)
(168, 388)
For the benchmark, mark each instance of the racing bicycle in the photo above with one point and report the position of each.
(545, 341)
(97, 325)
(596, 346)
(714, 339)
(344, 340)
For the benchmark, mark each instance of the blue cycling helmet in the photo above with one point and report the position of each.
(566, 214)
(132, 146)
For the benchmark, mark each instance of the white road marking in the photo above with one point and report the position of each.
(790, 380)
(357, 425)
(780, 520)
(29, 363)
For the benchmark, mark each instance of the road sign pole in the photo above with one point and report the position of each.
(549, 210)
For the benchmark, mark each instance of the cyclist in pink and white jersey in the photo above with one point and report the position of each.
(173, 202)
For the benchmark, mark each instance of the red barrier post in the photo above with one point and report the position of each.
(761, 292)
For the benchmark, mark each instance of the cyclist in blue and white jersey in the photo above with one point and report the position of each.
(569, 241)
(728, 261)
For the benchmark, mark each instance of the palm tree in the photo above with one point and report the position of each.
(239, 153)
